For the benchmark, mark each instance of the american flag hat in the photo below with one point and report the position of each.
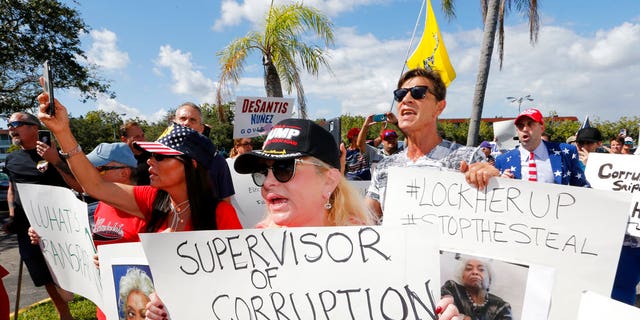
(180, 140)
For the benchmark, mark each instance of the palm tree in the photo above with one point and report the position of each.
(284, 54)
(493, 13)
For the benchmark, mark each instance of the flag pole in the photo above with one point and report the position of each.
(413, 35)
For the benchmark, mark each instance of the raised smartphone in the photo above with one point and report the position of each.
(379, 117)
(48, 86)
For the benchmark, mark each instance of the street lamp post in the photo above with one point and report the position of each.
(519, 100)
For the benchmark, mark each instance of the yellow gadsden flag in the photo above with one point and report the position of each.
(431, 52)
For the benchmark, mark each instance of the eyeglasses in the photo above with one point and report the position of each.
(417, 92)
(243, 144)
(162, 157)
(283, 170)
(18, 124)
(103, 169)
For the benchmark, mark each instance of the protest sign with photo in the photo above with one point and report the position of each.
(115, 261)
(255, 116)
(61, 221)
(297, 273)
(578, 231)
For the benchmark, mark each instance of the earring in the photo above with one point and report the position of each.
(327, 204)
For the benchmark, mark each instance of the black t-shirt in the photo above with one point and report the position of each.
(21, 166)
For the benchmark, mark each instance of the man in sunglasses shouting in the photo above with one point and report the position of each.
(420, 100)
(22, 167)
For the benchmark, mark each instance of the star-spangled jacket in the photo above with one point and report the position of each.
(565, 164)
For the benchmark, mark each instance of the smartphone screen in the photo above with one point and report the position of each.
(48, 86)
(45, 136)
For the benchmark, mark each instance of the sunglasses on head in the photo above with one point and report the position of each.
(162, 157)
(102, 169)
(417, 92)
(18, 124)
(283, 170)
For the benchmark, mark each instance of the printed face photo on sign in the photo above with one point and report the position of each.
(133, 285)
(481, 287)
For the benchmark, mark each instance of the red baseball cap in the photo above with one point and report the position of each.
(388, 133)
(353, 133)
(532, 113)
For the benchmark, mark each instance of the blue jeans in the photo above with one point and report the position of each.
(627, 276)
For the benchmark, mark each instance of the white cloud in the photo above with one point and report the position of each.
(233, 12)
(574, 75)
(187, 80)
(104, 51)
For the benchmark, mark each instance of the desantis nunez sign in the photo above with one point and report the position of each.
(255, 116)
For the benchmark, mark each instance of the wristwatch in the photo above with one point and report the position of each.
(71, 152)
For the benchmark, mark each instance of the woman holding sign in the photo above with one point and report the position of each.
(179, 197)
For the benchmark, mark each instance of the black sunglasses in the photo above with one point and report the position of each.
(18, 124)
(417, 92)
(283, 170)
(161, 157)
(107, 168)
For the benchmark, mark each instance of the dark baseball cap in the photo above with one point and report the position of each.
(588, 135)
(292, 138)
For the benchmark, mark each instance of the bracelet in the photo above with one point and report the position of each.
(71, 153)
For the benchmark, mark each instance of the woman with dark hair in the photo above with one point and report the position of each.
(179, 197)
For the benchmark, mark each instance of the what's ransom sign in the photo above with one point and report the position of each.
(60, 219)
(255, 116)
(297, 273)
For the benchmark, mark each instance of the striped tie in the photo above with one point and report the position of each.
(533, 173)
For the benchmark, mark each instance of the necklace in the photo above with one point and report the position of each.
(477, 305)
(178, 210)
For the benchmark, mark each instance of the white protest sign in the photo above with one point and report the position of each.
(361, 186)
(255, 116)
(504, 133)
(595, 306)
(578, 231)
(617, 172)
(111, 256)
(61, 221)
(296, 273)
(248, 202)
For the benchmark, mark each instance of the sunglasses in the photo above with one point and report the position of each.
(102, 169)
(18, 124)
(162, 157)
(417, 92)
(283, 170)
(243, 144)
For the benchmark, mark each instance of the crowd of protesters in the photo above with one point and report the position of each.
(181, 183)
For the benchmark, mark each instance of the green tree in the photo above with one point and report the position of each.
(221, 131)
(32, 31)
(96, 127)
(284, 54)
(493, 14)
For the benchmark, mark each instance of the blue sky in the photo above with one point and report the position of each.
(158, 54)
